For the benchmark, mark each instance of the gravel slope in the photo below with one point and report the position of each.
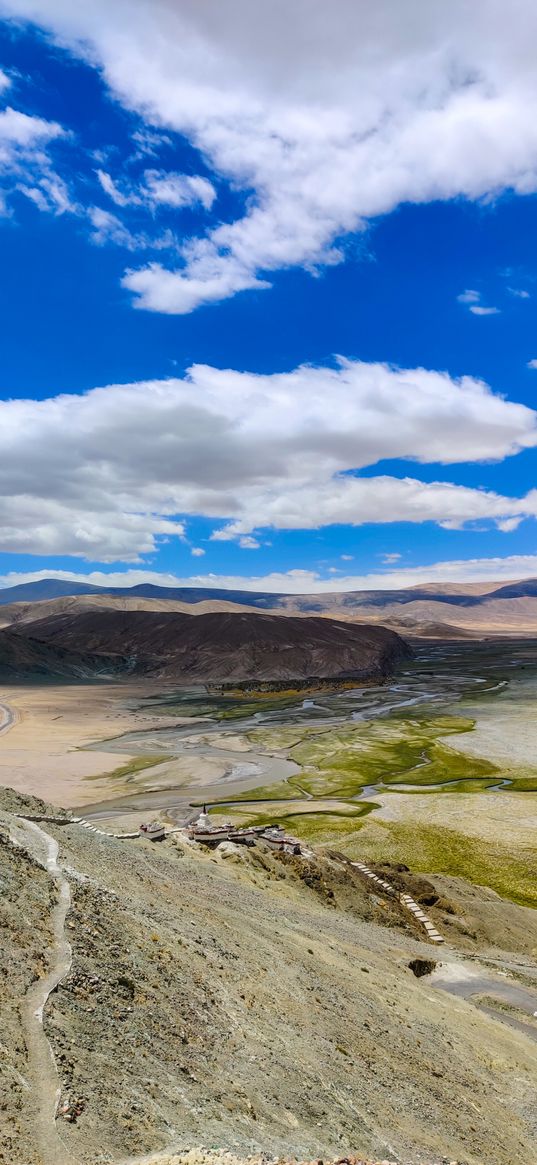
(254, 1004)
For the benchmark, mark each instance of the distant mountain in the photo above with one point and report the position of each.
(213, 647)
(51, 588)
(473, 608)
(517, 590)
(46, 588)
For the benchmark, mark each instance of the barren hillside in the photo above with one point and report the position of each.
(211, 647)
(30, 612)
(255, 1002)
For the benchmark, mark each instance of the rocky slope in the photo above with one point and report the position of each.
(213, 647)
(257, 1003)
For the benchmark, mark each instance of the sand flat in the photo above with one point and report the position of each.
(504, 733)
(40, 753)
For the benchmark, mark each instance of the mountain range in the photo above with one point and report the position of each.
(436, 610)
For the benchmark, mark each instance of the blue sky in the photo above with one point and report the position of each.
(305, 289)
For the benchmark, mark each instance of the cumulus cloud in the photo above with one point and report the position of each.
(299, 581)
(322, 122)
(31, 524)
(357, 500)
(104, 475)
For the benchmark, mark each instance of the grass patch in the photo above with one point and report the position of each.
(305, 824)
(406, 752)
(433, 849)
(130, 769)
(523, 784)
(429, 849)
(280, 791)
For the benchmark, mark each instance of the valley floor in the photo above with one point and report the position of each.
(438, 768)
(51, 723)
(259, 1003)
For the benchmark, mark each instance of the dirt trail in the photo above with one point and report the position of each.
(42, 1072)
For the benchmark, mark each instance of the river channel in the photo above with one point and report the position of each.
(223, 748)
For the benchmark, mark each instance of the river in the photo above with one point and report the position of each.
(251, 749)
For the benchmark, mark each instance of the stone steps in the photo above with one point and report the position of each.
(406, 901)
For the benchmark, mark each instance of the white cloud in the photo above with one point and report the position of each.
(356, 500)
(91, 529)
(298, 581)
(197, 552)
(322, 122)
(177, 190)
(111, 188)
(18, 129)
(160, 188)
(478, 310)
(108, 228)
(390, 558)
(148, 143)
(532, 364)
(469, 296)
(25, 163)
(246, 542)
(518, 293)
(472, 300)
(51, 194)
(346, 557)
(509, 524)
(104, 474)
(158, 289)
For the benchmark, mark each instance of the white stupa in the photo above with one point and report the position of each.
(204, 821)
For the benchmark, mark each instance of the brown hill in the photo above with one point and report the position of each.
(211, 647)
(30, 612)
(490, 616)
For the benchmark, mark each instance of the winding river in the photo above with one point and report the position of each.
(444, 679)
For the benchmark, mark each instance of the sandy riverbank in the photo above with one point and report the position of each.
(39, 754)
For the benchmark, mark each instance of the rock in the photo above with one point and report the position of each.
(229, 851)
(421, 967)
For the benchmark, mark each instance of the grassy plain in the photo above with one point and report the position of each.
(433, 806)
